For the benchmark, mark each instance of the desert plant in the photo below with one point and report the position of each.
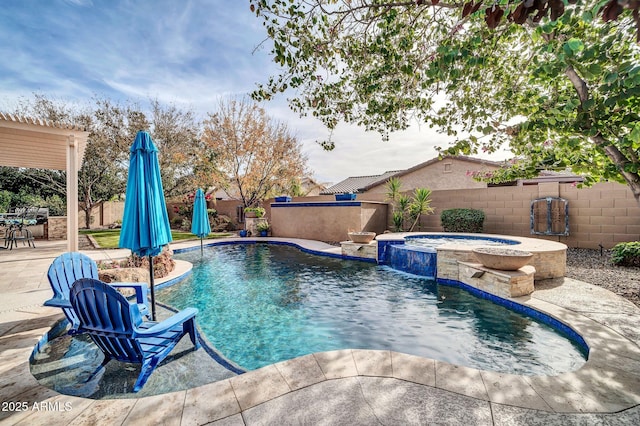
(404, 207)
(626, 254)
(262, 226)
(398, 220)
(393, 189)
(462, 220)
(420, 204)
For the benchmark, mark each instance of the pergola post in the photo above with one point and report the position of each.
(72, 193)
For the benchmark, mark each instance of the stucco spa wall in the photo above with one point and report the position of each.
(326, 221)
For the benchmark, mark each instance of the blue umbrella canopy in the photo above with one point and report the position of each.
(200, 221)
(145, 224)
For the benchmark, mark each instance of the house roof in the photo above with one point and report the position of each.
(552, 176)
(358, 183)
(364, 183)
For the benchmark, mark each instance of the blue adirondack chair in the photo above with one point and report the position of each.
(115, 325)
(69, 267)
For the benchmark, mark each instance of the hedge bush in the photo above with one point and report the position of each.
(462, 220)
(626, 254)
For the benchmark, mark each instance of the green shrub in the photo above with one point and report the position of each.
(462, 220)
(259, 211)
(626, 254)
(57, 205)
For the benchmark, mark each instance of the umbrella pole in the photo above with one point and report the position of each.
(153, 293)
(201, 249)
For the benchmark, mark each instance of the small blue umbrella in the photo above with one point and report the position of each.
(200, 221)
(145, 224)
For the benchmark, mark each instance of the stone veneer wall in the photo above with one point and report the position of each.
(501, 283)
(421, 262)
(547, 264)
(57, 227)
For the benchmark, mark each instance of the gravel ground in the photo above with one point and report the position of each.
(589, 266)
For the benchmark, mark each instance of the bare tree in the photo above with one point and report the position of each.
(253, 154)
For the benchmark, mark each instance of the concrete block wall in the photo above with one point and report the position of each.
(606, 213)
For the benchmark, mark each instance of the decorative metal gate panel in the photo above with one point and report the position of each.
(550, 216)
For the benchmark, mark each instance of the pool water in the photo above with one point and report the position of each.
(260, 304)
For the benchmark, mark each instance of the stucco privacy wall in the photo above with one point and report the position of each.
(326, 221)
(103, 214)
(604, 214)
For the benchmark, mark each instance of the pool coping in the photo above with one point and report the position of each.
(608, 382)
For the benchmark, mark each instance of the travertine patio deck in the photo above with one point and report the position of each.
(342, 387)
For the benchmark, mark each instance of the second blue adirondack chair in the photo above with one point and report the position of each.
(69, 267)
(116, 327)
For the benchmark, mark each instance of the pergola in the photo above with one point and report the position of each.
(41, 144)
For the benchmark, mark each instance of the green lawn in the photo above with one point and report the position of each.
(108, 238)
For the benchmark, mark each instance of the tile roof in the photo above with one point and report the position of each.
(358, 183)
(364, 183)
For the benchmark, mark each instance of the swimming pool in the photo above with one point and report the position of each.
(260, 304)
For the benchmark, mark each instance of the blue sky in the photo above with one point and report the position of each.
(190, 53)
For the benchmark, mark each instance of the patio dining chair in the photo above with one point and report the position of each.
(70, 267)
(117, 328)
(18, 229)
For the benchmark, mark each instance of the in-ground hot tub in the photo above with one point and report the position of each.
(438, 255)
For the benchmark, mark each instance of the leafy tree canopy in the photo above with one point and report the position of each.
(558, 82)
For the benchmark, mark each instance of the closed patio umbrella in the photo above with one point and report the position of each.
(200, 226)
(145, 223)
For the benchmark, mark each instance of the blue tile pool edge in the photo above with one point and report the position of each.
(57, 330)
(543, 317)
